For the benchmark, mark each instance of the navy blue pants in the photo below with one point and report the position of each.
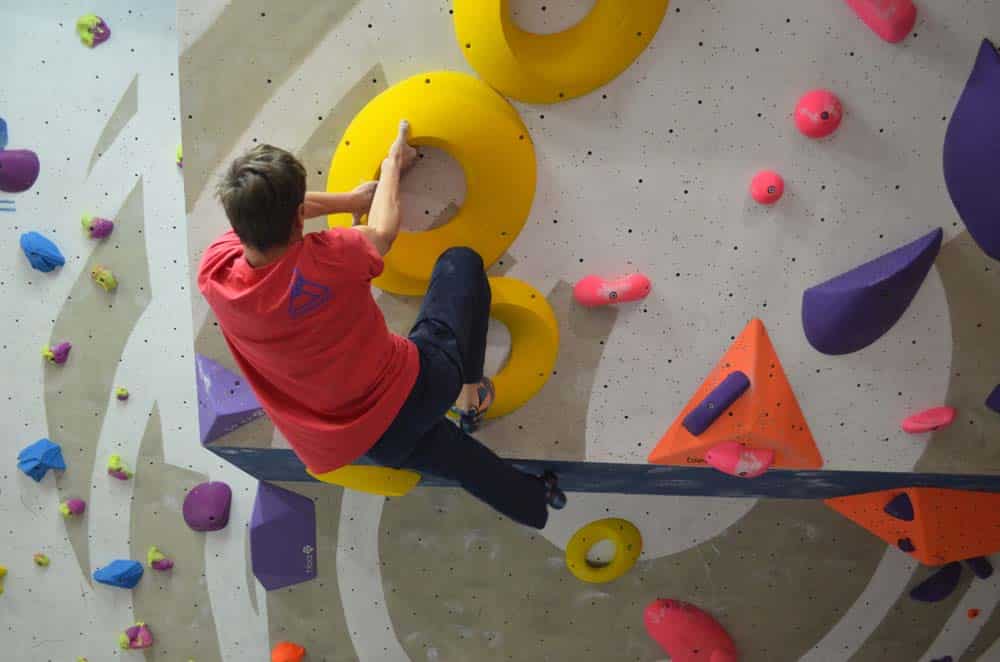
(450, 335)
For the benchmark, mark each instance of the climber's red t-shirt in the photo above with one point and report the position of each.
(312, 342)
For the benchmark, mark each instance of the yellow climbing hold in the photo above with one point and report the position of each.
(628, 546)
(374, 480)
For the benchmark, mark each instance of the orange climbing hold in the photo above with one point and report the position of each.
(947, 525)
(286, 651)
(767, 415)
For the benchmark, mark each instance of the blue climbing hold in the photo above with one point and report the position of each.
(900, 507)
(120, 573)
(981, 566)
(940, 585)
(41, 252)
(36, 460)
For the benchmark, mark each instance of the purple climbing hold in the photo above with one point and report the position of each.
(121, 573)
(938, 586)
(853, 310)
(18, 170)
(225, 401)
(900, 507)
(981, 566)
(206, 506)
(716, 402)
(970, 148)
(36, 459)
(282, 537)
(906, 545)
(993, 400)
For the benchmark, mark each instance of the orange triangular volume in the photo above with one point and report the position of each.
(767, 415)
(947, 525)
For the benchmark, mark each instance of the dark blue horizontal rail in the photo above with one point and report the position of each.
(274, 464)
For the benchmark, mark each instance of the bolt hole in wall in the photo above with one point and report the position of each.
(549, 16)
(432, 191)
(601, 554)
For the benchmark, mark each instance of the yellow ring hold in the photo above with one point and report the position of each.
(628, 544)
(548, 68)
(374, 480)
(534, 343)
(467, 119)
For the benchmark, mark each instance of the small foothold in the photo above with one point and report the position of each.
(104, 277)
(179, 157)
(929, 420)
(993, 400)
(981, 566)
(135, 637)
(818, 113)
(96, 227)
(735, 459)
(92, 30)
(117, 468)
(286, 651)
(938, 586)
(767, 187)
(36, 459)
(972, 613)
(597, 291)
(72, 507)
(906, 545)
(120, 573)
(40, 560)
(157, 560)
(900, 507)
(57, 353)
(121, 393)
(41, 252)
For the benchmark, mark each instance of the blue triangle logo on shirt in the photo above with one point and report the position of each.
(306, 296)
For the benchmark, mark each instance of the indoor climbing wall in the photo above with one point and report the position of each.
(859, 295)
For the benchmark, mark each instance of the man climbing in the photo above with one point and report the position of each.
(298, 315)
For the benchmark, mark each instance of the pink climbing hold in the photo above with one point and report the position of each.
(889, 19)
(929, 420)
(96, 227)
(688, 634)
(818, 113)
(58, 353)
(735, 459)
(766, 187)
(72, 507)
(136, 637)
(596, 291)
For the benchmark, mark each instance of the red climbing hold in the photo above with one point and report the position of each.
(735, 459)
(929, 420)
(596, 291)
(818, 113)
(286, 651)
(889, 19)
(688, 634)
(766, 187)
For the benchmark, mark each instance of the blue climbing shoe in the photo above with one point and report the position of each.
(470, 419)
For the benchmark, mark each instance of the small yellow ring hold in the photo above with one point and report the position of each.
(548, 68)
(534, 343)
(628, 546)
(383, 481)
(477, 127)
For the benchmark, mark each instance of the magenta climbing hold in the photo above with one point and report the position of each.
(818, 113)
(900, 507)
(18, 170)
(938, 586)
(716, 402)
(993, 399)
(856, 308)
(766, 187)
(225, 401)
(117, 468)
(688, 634)
(889, 19)
(136, 637)
(735, 459)
(92, 30)
(57, 353)
(96, 227)
(206, 506)
(929, 420)
(72, 507)
(971, 144)
(595, 290)
(157, 560)
(282, 537)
